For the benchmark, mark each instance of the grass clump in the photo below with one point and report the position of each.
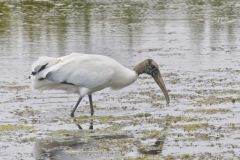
(192, 127)
(101, 119)
(210, 111)
(14, 127)
(153, 134)
(174, 119)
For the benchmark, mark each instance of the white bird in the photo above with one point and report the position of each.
(86, 73)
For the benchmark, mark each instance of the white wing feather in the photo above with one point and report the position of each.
(94, 72)
(79, 69)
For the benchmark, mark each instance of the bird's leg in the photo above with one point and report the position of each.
(92, 110)
(75, 107)
(78, 125)
(91, 104)
(91, 124)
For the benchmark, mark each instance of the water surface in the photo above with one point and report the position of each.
(196, 43)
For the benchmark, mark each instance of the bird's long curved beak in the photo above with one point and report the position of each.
(158, 79)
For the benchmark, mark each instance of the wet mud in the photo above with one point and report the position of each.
(195, 42)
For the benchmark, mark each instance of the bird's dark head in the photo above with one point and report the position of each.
(147, 66)
(150, 67)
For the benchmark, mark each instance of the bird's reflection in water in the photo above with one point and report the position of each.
(80, 127)
(80, 145)
(57, 147)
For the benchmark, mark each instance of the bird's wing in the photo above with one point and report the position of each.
(84, 71)
(42, 63)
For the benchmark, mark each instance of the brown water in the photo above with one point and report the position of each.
(196, 43)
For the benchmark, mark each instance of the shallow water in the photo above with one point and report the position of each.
(196, 43)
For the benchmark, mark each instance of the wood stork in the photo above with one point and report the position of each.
(85, 74)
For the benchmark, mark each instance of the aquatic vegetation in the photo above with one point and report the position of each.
(142, 115)
(201, 137)
(174, 119)
(216, 2)
(140, 158)
(197, 2)
(153, 134)
(169, 157)
(14, 127)
(36, 4)
(101, 119)
(210, 100)
(149, 150)
(193, 127)
(210, 110)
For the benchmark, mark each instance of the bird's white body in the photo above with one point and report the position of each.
(80, 73)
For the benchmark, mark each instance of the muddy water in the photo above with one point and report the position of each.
(196, 43)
